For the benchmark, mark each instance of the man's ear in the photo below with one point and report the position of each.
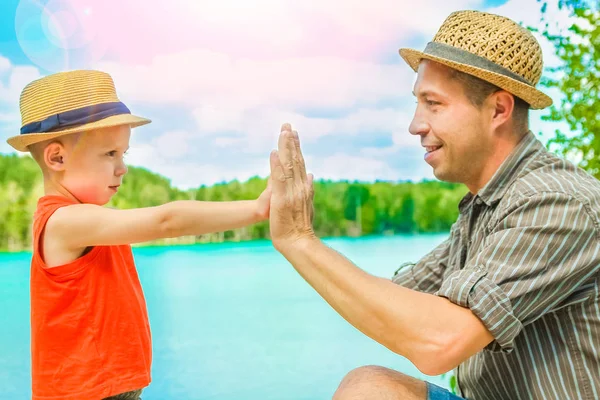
(55, 156)
(502, 105)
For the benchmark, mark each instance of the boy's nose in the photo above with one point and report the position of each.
(121, 170)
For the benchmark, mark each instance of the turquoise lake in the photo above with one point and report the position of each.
(230, 321)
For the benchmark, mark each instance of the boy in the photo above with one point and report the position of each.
(89, 325)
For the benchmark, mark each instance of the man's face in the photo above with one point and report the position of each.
(453, 131)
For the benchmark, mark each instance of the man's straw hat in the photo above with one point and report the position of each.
(490, 47)
(70, 102)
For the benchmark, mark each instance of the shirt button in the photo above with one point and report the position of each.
(478, 201)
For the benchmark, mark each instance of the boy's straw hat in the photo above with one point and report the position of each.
(490, 47)
(70, 102)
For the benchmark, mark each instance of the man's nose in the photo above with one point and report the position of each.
(418, 125)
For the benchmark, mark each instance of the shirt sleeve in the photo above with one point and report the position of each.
(541, 249)
(426, 275)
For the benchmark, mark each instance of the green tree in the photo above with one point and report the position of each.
(578, 79)
(405, 218)
(355, 197)
(341, 208)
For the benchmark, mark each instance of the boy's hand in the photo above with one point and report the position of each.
(263, 203)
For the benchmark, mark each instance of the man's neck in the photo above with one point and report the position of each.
(505, 145)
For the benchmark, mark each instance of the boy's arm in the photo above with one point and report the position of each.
(84, 225)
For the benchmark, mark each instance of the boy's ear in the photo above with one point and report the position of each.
(54, 156)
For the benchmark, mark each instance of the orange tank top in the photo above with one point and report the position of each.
(90, 335)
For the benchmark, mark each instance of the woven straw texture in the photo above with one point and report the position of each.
(497, 39)
(65, 91)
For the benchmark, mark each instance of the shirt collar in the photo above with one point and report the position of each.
(510, 168)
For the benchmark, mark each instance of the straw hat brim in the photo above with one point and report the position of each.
(21, 142)
(535, 98)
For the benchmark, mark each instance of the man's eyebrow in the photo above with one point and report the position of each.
(424, 93)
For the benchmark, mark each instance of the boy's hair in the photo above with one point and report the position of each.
(37, 153)
(477, 90)
(37, 149)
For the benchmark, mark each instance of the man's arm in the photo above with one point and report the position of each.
(541, 249)
(427, 274)
(433, 333)
(83, 225)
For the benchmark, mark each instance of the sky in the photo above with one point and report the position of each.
(218, 78)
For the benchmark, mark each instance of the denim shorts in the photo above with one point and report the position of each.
(437, 393)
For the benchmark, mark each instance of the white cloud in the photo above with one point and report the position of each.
(352, 17)
(203, 79)
(4, 65)
(333, 62)
(18, 77)
(166, 148)
(257, 129)
(13, 78)
(174, 144)
(240, 70)
(343, 166)
(9, 117)
(190, 174)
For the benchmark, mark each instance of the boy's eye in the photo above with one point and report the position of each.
(112, 153)
(432, 103)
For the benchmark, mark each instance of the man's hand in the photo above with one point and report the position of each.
(292, 192)
(432, 332)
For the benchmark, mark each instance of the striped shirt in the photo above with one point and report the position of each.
(524, 257)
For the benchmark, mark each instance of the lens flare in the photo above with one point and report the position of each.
(58, 35)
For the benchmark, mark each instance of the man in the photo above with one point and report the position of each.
(510, 300)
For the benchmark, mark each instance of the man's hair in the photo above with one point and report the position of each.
(477, 90)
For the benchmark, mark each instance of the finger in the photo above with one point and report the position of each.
(311, 195)
(269, 184)
(298, 160)
(285, 157)
(296, 173)
(286, 127)
(284, 151)
(278, 179)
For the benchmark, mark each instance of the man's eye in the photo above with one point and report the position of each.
(432, 103)
(112, 153)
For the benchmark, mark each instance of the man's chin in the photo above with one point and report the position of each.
(439, 174)
(445, 175)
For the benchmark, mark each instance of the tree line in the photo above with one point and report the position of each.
(342, 208)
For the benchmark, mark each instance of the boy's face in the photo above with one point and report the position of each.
(93, 164)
